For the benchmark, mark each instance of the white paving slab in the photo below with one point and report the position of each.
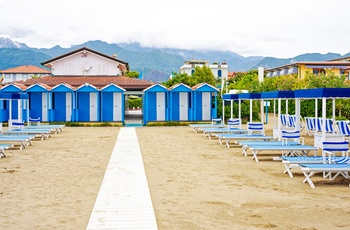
(124, 200)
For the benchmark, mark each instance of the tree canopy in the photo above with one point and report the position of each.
(200, 75)
(132, 74)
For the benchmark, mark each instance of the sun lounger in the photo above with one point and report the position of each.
(209, 132)
(23, 140)
(42, 133)
(286, 150)
(2, 149)
(21, 125)
(296, 161)
(330, 164)
(311, 169)
(227, 137)
(198, 127)
(330, 148)
(248, 144)
(52, 128)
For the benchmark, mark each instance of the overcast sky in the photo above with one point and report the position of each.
(278, 28)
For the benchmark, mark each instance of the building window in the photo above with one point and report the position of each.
(219, 73)
(8, 75)
(69, 68)
(25, 76)
(192, 72)
(102, 68)
(318, 71)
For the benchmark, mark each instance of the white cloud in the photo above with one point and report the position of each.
(252, 27)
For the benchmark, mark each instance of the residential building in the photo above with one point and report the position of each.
(219, 70)
(23, 73)
(337, 66)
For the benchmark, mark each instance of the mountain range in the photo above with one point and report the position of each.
(155, 63)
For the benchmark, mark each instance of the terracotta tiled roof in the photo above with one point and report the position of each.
(43, 85)
(26, 69)
(97, 81)
(17, 84)
(197, 86)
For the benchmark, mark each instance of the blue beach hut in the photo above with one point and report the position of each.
(14, 109)
(155, 103)
(87, 103)
(180, 103)
(39, 101)
(112, 103)
(204, 102)
(4, 97)
(63, 106)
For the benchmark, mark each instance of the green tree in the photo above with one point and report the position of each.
(132, 74)
(200, 75)
(176, 79)
(246, 81)
(326, 80)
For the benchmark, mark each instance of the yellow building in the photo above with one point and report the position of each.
(338, 66)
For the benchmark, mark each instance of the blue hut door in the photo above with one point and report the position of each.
(206, 106)
(117, 106)
(183, 106)
(160, 106)
(93, 106)
(68, 107)
(44, 106)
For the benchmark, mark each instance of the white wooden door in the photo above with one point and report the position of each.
(206, 106)
(183, 106)
(68, 106)
(44, 107)
(117, 106)
(93, 106)
(160, 106)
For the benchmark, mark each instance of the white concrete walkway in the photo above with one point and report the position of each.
(124, 200)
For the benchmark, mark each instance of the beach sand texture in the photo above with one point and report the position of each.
(195, 183)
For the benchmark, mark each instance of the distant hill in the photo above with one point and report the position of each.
(271, 62)
(13, 57)
(156, 63)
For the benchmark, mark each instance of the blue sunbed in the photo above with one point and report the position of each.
(227, 137)
(217, 131)
(248, 144)
(287, 150)
(2, 149)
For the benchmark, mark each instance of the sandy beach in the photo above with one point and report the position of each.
(195, 183)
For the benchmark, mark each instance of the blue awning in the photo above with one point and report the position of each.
(293, 70)
(230, 96)
(277, 94)
(323, 93)
(249, 96)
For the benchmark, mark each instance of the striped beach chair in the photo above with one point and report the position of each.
(343, 128)
(310, 125)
